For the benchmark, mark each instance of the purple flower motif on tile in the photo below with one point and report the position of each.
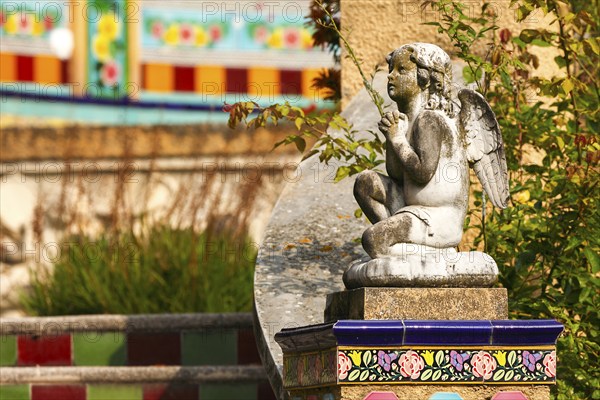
(458, 359)
(385, 360)
(530, 359)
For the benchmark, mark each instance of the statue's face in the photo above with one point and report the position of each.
(402, 79)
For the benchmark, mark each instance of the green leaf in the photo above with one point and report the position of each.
(498, 375)
(354, 375)
(364, 375)
(593, 258)
(512, 357)
(426, 374)
(367, 357)
(439, 358)
(358, 213)
(436, 375)
(567, 85)
(300, 144)
(299, 122)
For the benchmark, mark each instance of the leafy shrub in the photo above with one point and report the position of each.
(165, 270)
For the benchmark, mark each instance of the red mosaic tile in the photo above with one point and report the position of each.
(185, 80)
(45, 350)
(58, 392)
(265, 392)
(25, 68)
(154, 349)
(247, 351)
(171, 392)
(291, 82)
(237, 80)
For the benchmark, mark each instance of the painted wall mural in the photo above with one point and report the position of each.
(108, 50)
(30, 19)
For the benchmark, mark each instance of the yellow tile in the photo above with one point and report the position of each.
(46, 69)
(8, 67)
(307, 78)
(210, 80)
(158, 78)
(263, 83)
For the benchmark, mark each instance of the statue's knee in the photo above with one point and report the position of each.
(364, 184)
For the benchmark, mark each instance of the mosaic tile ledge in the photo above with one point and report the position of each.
(421, 333)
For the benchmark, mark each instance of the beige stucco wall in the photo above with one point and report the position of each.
(376, 27)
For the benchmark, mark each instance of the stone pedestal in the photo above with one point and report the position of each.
(419, 344)
(413, 303)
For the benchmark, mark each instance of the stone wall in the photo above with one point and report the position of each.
(376, 27)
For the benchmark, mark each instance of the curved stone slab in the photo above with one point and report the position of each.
(311, 239)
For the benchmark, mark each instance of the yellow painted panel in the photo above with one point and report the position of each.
(263, 83)
(210, 80)
(158, 78)
(46, 69)
(8, 67)
(307, 77)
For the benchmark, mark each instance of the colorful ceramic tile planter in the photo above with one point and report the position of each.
(423, 353)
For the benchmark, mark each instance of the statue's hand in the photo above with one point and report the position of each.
(394, 125)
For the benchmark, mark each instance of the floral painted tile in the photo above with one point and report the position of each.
(446, 365)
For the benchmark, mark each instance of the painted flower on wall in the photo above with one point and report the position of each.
(483, 365)
(411, 364)
(344, 365)
(157, 29)
(187, 34)
(275, 40)
(458, 359)
(550, 364)
(385, 359)
(171, 36)
(109, 26)
(261, 34)
(291, 38)
(202, 38)
(530, 360)
(307, 39)
(11, 25)
(25, 23)
(215, 33)
(48, 22)
(110, 73)
(101, 48)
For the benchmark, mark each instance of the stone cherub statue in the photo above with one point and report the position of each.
(418, 209)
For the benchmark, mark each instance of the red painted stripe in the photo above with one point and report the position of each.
(291, 81)
(64, 71)
(25, 68)
(171, 392)
(44, 350)
(154, 349)
(247, 351)
(58, 392)
(236, 80)
(184, 79)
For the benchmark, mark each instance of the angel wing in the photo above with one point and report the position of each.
(485, 149)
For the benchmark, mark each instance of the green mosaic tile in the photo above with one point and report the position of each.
(14, 392)
(114, 392)
(100, 349)
(209, 348)
(228, 392)
(8, 351)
